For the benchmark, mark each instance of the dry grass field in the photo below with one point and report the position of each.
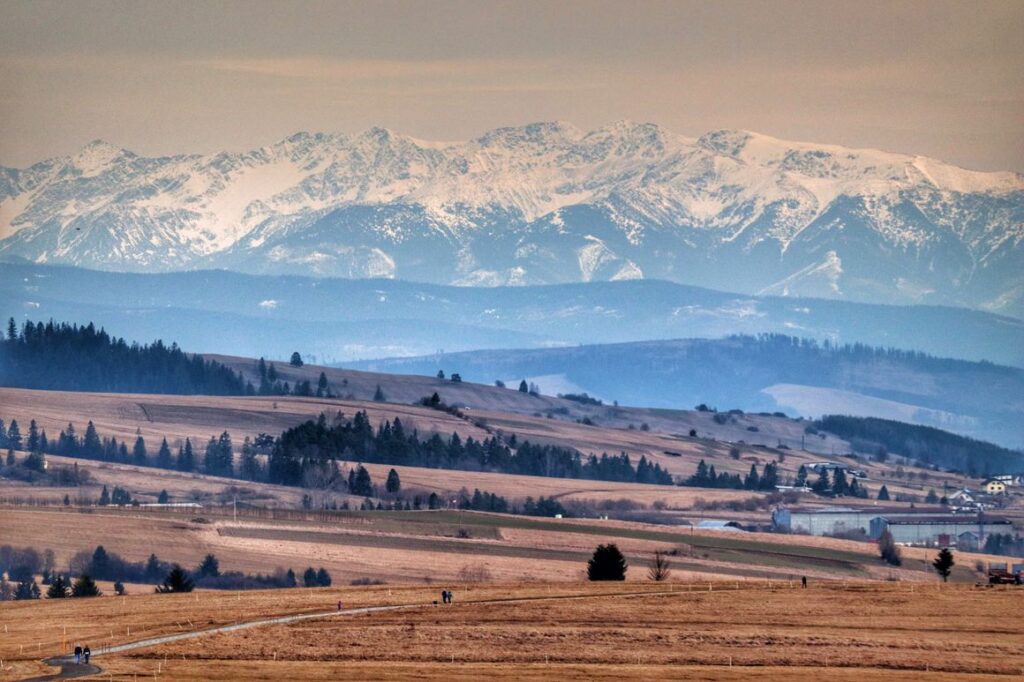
(684, 630)
(421, 547)
(200, 417)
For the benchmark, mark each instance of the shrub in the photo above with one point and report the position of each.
(607, 563)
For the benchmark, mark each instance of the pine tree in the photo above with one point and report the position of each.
(176, 581)
(394, 483)
(251, 469)
(322, 389)
(944, 563)
(139, 449)
(607, 563)
(186, 458)
(309, 577)
(12, 330)
(296, 360)
(14, 436)
(289, 579)
(883, 494)
(85, 586)
(524, 387)
(59, 588)
(32, 444)
(163, 457)
(323, 578)
(378, 395)
(27, 589)
(163, 498)
(209, 568)
(839, 485)
(92, 448)
(104, 497)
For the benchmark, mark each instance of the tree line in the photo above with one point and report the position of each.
(311, 450)
(69, 357)
(19, 566)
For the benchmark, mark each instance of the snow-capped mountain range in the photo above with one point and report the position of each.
(541, 203)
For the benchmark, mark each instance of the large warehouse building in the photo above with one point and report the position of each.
(966, 531)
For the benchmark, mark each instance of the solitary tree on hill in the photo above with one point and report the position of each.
(378, 395)
(524, 387)
(296, 360)
(883, 494)
(607, 563)
(944, 563)
(660, 568)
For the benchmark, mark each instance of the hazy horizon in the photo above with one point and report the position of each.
(944, 80)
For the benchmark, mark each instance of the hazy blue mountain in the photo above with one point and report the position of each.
(338, 319)
(543, 203)
(777, 373)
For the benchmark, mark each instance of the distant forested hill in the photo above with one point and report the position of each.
(73, 358)
(761, 373)
(925, 444)
(340, 320)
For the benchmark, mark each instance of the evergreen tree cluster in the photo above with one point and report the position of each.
(707, 477)
(314, 445)
(81, 358)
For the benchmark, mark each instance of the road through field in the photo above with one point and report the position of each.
(69, 669)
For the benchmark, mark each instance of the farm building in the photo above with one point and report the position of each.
(825, 520)
(943, 530)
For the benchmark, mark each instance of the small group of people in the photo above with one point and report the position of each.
(82, 655)
(446, 596)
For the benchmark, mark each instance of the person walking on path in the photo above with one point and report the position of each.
(86, 653)
(78, 653)
(803, 581)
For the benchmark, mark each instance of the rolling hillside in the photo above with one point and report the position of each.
(982, 400)
(336, 320)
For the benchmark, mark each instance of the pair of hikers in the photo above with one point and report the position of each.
(82, 654)
(446, 596)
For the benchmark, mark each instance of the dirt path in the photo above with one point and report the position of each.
(70, 669)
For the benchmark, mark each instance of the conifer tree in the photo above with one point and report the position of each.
(163, 457)
(394, 483)
(139, 449)
(176, 581)
(944, 563)
(59, 588)
(85, 586)
(607, 563)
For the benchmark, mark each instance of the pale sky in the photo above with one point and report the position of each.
(943, 79)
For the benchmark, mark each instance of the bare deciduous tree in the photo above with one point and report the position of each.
(660, 568)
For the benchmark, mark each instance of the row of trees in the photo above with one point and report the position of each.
(707, 477)
(82, 358)
(310, 452)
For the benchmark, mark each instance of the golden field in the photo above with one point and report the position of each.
(683, 630)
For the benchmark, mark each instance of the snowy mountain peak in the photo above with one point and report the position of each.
(97, 156)
(537, 203)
